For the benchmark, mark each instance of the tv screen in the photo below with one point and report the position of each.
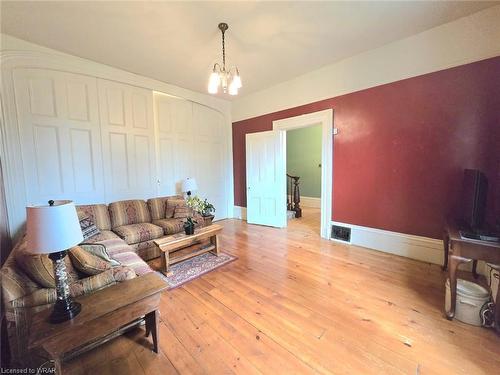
(473, 202)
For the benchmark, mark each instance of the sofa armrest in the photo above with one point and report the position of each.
(87, 285)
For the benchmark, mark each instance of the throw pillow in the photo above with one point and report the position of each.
(181, 212)
(86, 262)
(40, 268)
(171, 204)
(89, 229)
(99, 250)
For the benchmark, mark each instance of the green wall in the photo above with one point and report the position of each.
(303, 157)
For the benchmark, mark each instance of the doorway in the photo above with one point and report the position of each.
(266, 170)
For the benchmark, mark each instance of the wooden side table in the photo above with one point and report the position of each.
(458, 251)
(105, 314)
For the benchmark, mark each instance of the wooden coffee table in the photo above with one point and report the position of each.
(178, 247)
(105, 314)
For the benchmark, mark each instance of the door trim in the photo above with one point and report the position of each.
(325, 118)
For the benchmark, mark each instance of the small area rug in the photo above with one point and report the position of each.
(193, 268)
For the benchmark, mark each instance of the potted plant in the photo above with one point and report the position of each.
(189, 225)
(204, 207)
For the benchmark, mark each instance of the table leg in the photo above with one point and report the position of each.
(57, 366)
(454, 262)
(165, 262)
(474, 269)
(213, 241)
(446, 241)
(152, 326)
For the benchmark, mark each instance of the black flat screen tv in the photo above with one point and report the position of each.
(473, 200)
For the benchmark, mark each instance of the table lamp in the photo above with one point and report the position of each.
(53, 229)
(189, 185)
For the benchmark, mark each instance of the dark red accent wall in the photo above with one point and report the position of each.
(402, 147)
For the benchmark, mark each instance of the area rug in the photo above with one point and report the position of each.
(193, 268)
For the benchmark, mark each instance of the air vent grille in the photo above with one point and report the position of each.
(341, 233)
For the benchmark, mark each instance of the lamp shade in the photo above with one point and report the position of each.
(51, 229)
(189, 184)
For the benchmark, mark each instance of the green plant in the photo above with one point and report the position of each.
(204, 207)
(189, 222)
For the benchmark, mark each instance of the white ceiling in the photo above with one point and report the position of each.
(178, 42)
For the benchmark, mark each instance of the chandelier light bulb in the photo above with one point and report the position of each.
(237, 81)
(233, 89)
(213, 83)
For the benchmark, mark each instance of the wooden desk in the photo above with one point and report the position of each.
(458, 251)
(104, 315)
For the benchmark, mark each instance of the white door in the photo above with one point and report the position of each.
(266, 184)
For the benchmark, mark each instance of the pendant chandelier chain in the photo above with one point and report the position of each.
(223, 51)
(229, 80)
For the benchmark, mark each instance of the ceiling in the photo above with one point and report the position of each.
(178, 42)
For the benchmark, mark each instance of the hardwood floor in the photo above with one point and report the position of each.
(295, 303)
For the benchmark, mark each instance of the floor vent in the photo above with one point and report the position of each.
(341, 233)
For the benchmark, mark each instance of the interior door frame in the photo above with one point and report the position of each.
(325, 118)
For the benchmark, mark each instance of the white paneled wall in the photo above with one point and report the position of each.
(192, 143)
(60, 135)
(76, 129)
(128, 140)
(94, 140)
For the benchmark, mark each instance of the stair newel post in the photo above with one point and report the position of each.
(296, 197)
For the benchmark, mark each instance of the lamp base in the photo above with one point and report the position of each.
(64, 310)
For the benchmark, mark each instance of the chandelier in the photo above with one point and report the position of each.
(229, 79)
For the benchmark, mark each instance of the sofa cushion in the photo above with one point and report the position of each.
(40, 268)
(133, 261)
(88, 263)
(135, 233)
(99, 250)
(157, 206)
(15, 283)
(128, 212)
(170, 226)
(98, 213)
(181, 212)
(147, 250)
(172, 203)
(104, 235)
(116, 246)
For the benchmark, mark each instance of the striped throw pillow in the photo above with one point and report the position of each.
(89, 229)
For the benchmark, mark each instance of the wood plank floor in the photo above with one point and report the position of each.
(294, 303)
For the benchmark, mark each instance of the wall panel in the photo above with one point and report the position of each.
(59, 136)
(192, 144)
(128, 139)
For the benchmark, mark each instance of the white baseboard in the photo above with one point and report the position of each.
(240, 213)
(310, 202)
(415, 247)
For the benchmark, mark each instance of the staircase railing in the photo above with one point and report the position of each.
(293, 195)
